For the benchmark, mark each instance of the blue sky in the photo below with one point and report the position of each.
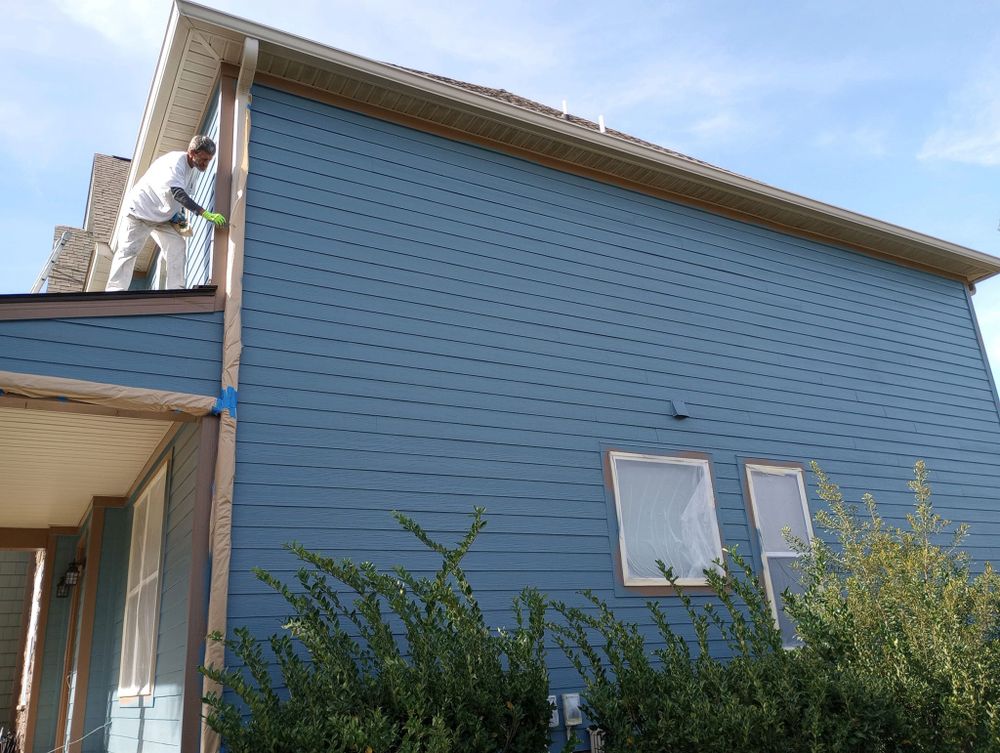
(890, 109)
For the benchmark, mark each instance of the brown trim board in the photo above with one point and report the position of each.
(91, 575)
(23, 538)
(124, 303)
(568, 167)
(197, 623)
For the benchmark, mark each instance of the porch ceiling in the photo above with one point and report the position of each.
(52, 462)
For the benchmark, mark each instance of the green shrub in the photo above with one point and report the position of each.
(680, 698)
(408, 665)
(899, 608)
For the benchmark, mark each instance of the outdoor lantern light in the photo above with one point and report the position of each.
(62, 588)
(72, 576)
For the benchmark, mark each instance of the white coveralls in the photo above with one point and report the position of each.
(146, 210)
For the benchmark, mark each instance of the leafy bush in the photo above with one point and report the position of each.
(682, 699)
(900, 609)
(408, 665)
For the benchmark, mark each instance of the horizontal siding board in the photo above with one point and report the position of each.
(670, 341)
(519, 177)
(688, 354)
(303, 372)
(405, 228)
(158, 353)
(658, 316)
(725, 430)
(303, 240)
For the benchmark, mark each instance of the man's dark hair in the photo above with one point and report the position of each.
(201, 143)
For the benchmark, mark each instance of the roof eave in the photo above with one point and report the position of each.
(705, 184)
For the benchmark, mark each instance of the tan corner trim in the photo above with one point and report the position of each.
(197, 624)
(91, 575)
(224, 180)
(42, 628)
(574, 169)
(23, 538)
(67, 406)
(95, 304)
(108, 395)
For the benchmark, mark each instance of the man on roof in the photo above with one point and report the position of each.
(153, 208)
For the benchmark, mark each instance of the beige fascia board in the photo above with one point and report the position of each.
(794, 205)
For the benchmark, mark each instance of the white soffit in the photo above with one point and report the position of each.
(53, 462)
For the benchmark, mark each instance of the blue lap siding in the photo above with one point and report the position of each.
(430, 325)
(178, 353)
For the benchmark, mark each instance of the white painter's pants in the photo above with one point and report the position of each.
(131, 237)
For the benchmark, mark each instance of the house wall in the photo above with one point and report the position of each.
(154, 725)
(14, 569)
(170, 352)
(429, 326)
(53, 654)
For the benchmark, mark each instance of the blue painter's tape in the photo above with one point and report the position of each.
(227, 401)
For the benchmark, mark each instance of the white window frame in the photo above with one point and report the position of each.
(703, 463)
(130, 686)
(767, 555)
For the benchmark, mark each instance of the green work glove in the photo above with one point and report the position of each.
(214, 217)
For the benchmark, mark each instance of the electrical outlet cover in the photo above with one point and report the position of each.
(571, 709)
(554, 706)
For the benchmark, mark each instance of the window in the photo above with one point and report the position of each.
(778, 500)
(666, 511)
(138, 662)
